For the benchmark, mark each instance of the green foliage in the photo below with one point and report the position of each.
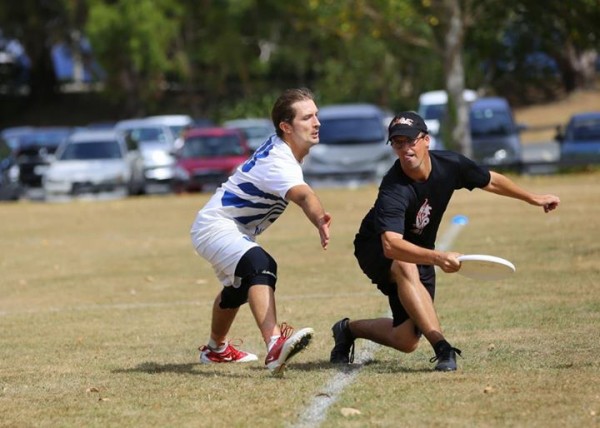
(212, 54)
(255, 106)
(135, 42)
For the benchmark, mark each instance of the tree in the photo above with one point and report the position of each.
(136, 43)
(536, 50)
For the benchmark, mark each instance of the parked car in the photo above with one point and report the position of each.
(352, 143)
(257, 130)
(580, 139)
(11, 135)
(156, 142)
(208, 157)
(495, 136)
(432, 108)
(94, 162)
(33, 151)
(178, 123)
(10, 187)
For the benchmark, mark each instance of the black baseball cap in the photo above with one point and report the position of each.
(408, 124)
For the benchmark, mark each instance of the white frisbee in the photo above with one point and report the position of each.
(484, 267)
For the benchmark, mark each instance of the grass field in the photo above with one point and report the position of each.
(103, 305)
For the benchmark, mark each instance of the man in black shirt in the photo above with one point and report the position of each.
(395, 245)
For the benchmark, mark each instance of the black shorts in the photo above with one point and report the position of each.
(374, 264)
(256, 267)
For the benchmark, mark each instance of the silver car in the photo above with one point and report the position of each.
(93, 162)
(352, 144)
(156, 143)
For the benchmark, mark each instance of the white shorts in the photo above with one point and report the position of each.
(223, 244)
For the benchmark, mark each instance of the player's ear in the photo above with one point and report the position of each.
(285, 127)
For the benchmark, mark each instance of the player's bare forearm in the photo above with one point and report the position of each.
(395, 247)
(504, 186)
(306, 199)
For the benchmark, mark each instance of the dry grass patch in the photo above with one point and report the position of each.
(104, 304)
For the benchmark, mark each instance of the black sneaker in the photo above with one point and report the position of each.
(343, 351)
(446, 359)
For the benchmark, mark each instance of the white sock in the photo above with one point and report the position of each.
(272, 342)
(215, 347)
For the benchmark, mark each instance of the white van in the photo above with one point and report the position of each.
(432, 107)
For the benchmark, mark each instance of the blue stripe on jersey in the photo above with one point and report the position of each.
(277, 210)
(252, 190)
(269, 211)
(261, 152)
(232, 200)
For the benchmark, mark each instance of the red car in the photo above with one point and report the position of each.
(208, 157)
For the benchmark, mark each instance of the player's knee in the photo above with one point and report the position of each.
(408, 346)
(256, 267)
(263, 270)
(406, 337)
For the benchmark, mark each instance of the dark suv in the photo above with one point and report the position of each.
(495, 135)
(33, 150)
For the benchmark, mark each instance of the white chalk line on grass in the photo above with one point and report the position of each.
(314, 415)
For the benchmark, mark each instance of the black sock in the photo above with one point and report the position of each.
(441, 346)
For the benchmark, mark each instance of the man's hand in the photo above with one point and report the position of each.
(448, 261)
(324, 224)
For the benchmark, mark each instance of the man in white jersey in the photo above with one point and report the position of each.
(225, 230)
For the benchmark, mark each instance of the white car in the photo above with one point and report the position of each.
(93, 162)
(432, 108)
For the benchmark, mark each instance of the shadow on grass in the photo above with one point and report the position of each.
(198, 369)
(374, 366)
(195, 369)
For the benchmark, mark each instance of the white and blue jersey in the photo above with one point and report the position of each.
(244, 206)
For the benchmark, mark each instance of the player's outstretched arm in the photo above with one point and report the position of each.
(304, 196)
(502, 185)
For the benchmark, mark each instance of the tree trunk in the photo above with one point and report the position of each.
(456, 123)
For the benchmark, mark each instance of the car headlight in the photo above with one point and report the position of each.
(500, 155)
(14, 173)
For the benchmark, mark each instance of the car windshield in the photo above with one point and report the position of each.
(92, 151)
(177, 129)
(211, 146)
(50, 140)
(584, 130)
(149, 134)
(355, 130)
(433, 111)
(488, 122)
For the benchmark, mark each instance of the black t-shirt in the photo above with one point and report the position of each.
(415, 209)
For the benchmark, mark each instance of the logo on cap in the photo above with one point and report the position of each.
(405, 121)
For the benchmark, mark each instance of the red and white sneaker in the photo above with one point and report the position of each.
(288, 345)
(229, 355)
